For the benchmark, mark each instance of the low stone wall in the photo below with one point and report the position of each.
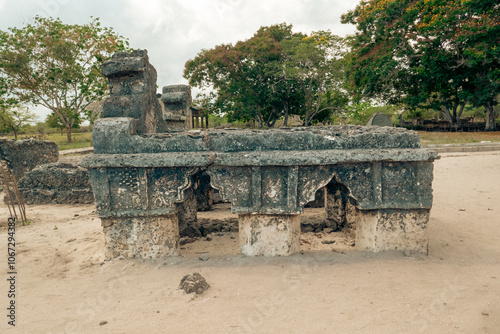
(56, 183)
(24, 155)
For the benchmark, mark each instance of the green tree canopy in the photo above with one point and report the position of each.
(273, 74)
(57, 65)
(439, 54)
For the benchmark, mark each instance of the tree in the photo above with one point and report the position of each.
(55, 122)
(439, 54)
(315, 64)
(13, 116)
(57, 65)
(15, 119)
(242, 74)
(274, 74)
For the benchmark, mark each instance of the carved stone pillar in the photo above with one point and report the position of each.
(176, 104)
(380, 230)
(141, 237)
(269, 235)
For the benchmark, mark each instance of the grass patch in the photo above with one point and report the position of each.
(437, 138)
(80, 140)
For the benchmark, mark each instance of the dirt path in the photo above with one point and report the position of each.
(63, 286)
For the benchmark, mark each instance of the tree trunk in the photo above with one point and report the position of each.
(68, 134)
(259, 120)
(270, 123)
(285, 117)
(490, 118)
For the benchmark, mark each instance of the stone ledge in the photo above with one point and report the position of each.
(262, 158)
(84, 150)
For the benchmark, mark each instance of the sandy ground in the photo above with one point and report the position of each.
(63, 285)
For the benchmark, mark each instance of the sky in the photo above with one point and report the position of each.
(175, 31)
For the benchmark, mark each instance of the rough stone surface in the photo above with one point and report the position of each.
(194, 283)
(56, 183)
(269, 235)
(380, 230)
(340, 137)
(132, 88)
(176, 103)
(24, 155)
(141, 237)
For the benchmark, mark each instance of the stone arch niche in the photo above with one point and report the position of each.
(142, 175)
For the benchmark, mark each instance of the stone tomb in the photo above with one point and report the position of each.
(378, 180)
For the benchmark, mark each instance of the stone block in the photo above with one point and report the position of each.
(141, 237)
(24, 155)
(176, 106)
(132, 84)
(123, 63)
(123, 106)
(269, 235)
(56, 183)
(381, 230)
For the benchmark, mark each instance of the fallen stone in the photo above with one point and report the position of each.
(24, 155)
(56, 183)
(194, 283)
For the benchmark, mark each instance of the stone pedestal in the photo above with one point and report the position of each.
(269, 235)
(380, 230)
(141, 237)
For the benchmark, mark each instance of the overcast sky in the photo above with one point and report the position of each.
(174, 31)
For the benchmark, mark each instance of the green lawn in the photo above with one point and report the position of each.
(80, 140)
(436, 138)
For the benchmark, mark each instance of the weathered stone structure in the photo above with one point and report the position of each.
(132, 90)
(56, 183)
(24, 155)
(379, 182)
(177, 102)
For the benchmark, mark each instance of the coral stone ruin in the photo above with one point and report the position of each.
(147, 164)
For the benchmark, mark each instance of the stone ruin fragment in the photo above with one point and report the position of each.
(146, 167)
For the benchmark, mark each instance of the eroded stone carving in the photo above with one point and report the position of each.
(177, 101)
(132, 89)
